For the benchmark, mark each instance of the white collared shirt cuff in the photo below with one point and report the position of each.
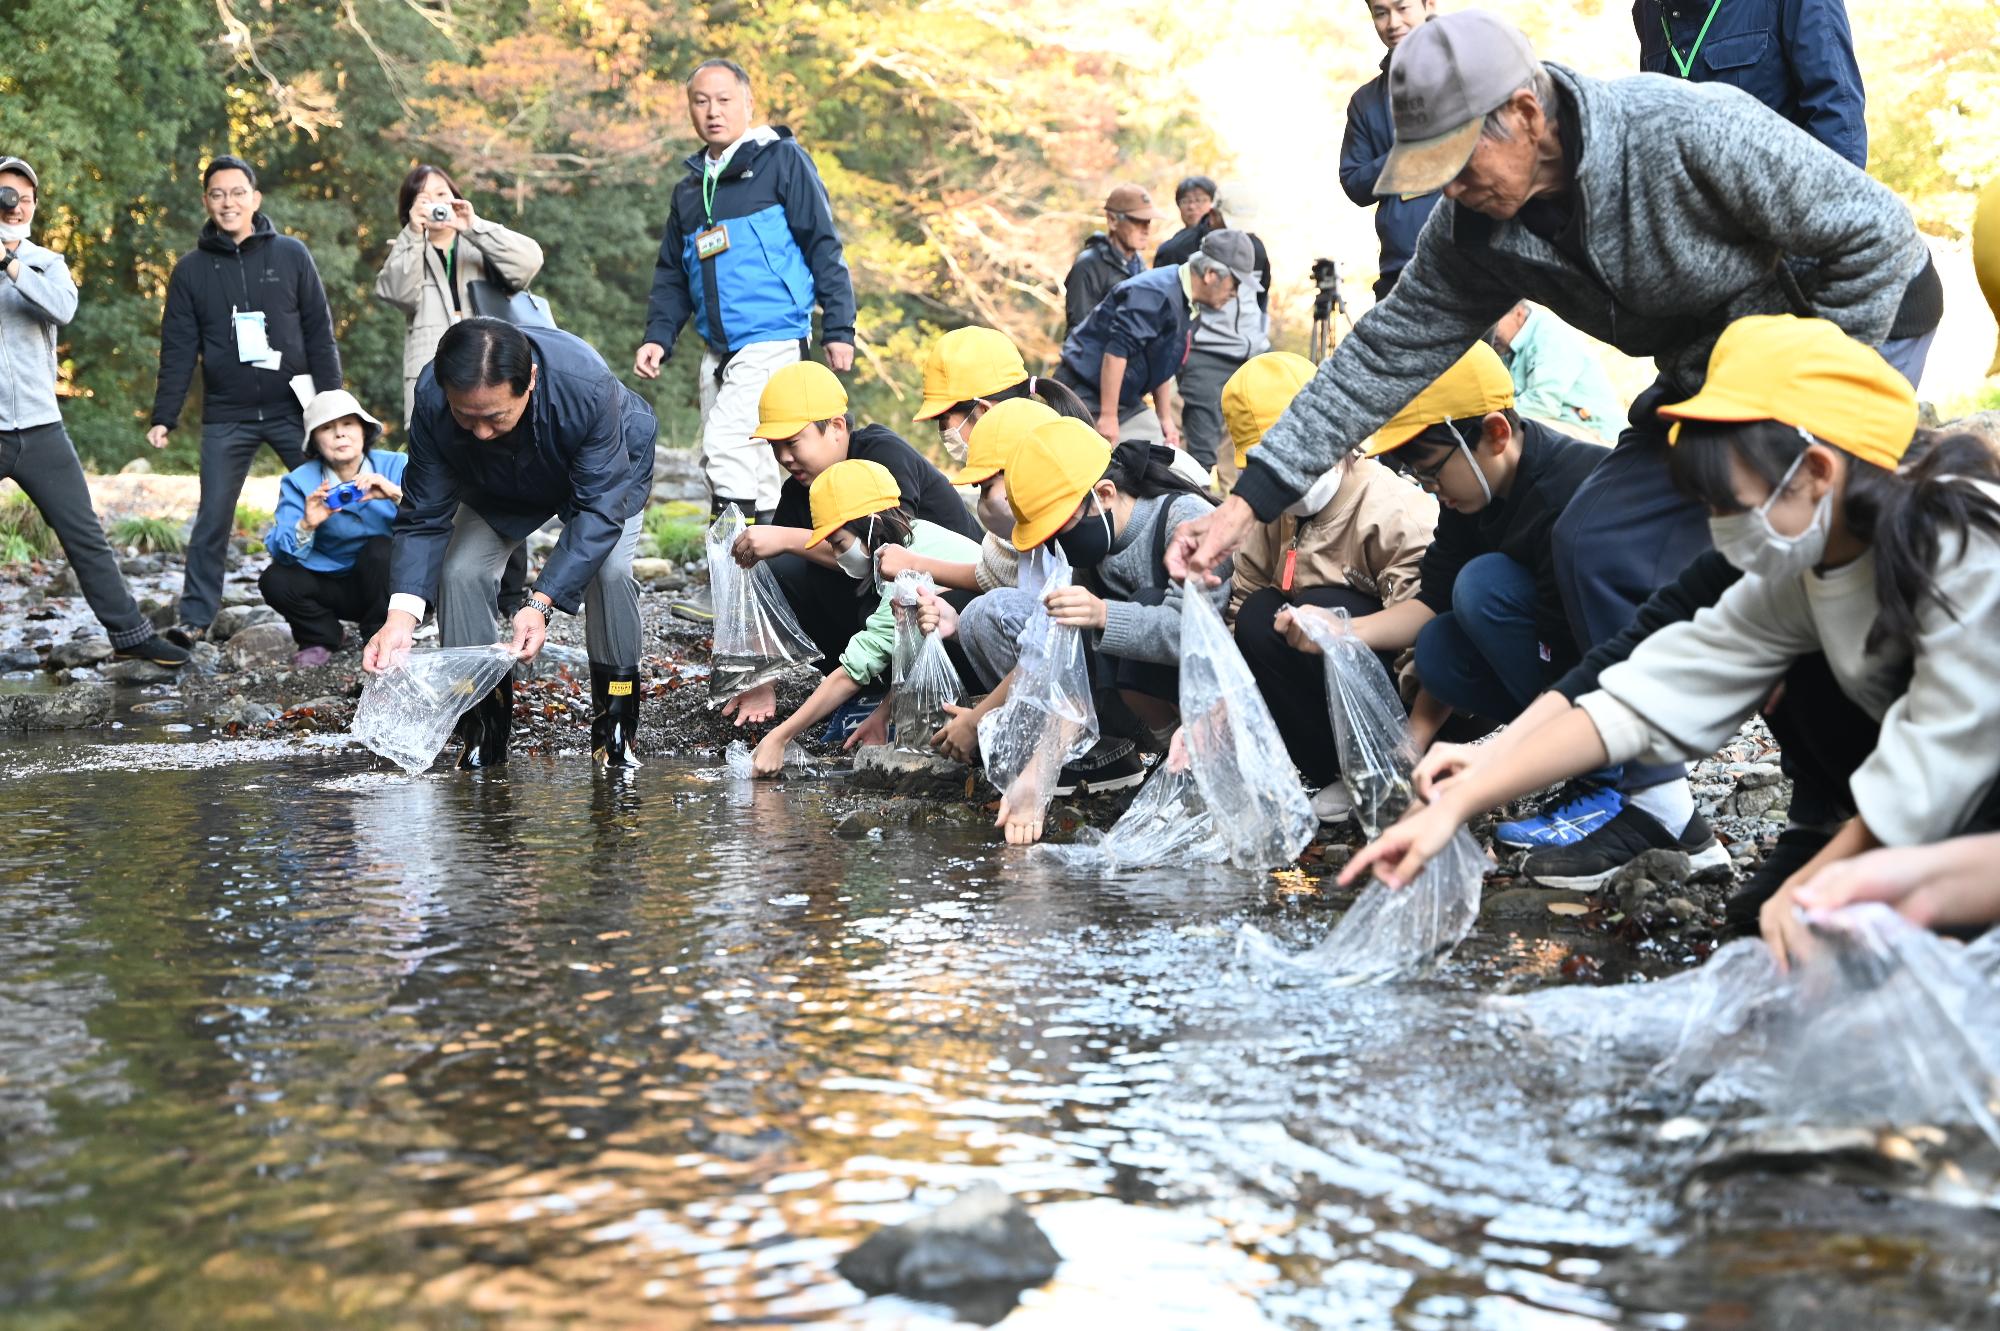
(412, 606)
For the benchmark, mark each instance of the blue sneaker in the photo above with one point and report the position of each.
(850, 715)
(1573, 813)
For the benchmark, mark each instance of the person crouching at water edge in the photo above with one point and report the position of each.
(329, 542)
(514, 426)
(1857, 541)
(857, 513)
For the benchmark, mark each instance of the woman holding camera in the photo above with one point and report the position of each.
(442, 249)
(330, 541)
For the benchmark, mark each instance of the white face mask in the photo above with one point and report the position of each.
(995, 514)
(1749, 541)
(13, 231)
(954, 443)
(857, 561)
(1318, 496)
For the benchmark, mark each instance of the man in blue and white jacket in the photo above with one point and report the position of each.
(749, 249)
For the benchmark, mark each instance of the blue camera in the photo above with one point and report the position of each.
(346, 495)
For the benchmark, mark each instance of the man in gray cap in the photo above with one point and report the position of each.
(1649, 213)
(1133, 344)
(37, 297)
(1111, 255)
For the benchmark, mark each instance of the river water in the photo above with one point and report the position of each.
(290, 1040)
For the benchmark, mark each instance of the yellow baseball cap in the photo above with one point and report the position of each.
(1986, 252)
(1477, 385)
(967, 363)
(997, 434)
(1050, 473)
(849, 490)
(1806, 373)
(1258, 393)
(798, 395)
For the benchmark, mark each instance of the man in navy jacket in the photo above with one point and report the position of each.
(1369, 136)
(513, 426)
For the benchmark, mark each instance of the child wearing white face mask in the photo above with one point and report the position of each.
(1355, 541)
(1881, 553)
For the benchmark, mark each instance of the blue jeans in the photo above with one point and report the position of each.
(1484, 656)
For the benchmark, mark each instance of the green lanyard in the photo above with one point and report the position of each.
(710, 179)
(1687, 65)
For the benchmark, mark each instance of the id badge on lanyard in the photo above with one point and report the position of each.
(253, 346)
(709, 243)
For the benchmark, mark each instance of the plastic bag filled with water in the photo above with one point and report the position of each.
(1371, 731)
(1167, 825)
(757, 638)
(407, 712)
(925, 681)
(1880, 1024)
(1049, 717)
(1233, 747)
(737, 761)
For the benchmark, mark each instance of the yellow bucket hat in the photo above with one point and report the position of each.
(1050, 473)
(849, 490)
(997, 434)
(798, 395)
(1808, 374)
(1258, 393)
(967, 363)
(1986, 253)
(1477, 385)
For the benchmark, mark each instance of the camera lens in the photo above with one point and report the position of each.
(440, 212)
(10, 198)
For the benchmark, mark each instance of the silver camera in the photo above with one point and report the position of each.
(438, 213)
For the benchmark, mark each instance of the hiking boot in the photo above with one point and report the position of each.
(187, 635)
(1589, 864)
(1332, 804)
(614, 716)
(1575, 811)
(1111, 764)
(158, 650)
(311, 658)
(694, 605)
(483, 731)
(1796, 845)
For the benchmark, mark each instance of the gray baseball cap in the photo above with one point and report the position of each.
(1443, 80)
(1232, 249)
(20, 167)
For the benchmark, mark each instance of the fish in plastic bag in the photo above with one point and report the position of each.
(1371, 733)
(1234, 750)
(924, 679)
(407, 712)
(737, 760)
(1167, 824)
(757, 638)
(1880, 1023)
(1049, 717)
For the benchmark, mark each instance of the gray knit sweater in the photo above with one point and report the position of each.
(1691, 196)
(1149, 632)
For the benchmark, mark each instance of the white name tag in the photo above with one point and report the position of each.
(252, 346)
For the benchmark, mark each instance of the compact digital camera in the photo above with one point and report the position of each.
(346, 495)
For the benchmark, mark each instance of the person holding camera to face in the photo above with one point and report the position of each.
(442, 249)
(329, 542)
(38, 296)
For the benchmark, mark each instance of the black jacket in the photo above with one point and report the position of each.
(1096, 270)
(1363, 148)
(1181, 246)
(583, 452)
(926, 493)
(1520, 527)
(269, 272)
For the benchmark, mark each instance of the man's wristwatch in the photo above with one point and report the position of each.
(542, 608)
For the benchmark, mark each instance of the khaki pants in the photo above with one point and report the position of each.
(736, 467)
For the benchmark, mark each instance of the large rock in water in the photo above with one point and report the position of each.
(232, 620)
(982, 1238)
(260, 647)
(57, 709)
(79, 652)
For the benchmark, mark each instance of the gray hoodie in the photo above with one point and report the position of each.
(1691, 197)
(32, 307)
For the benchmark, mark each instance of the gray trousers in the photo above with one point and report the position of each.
(227, 450)
(470, 584)
(1200, 382)
(989, 633)
(43, 462)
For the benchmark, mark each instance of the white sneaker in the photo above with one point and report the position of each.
(1333, 804)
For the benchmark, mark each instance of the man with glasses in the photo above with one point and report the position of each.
(247, 302)
(1111, 255)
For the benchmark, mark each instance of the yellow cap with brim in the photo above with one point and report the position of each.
(968, 363)
(1051, 472)
(1809, 374)
(1986, 253)
(798, 395)
(997, 434)
(1258, 393)
(849, 490)
(1475, 386)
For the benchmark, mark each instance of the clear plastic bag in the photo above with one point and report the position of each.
(924, 678)
(757, 638)
(1234, 750)
(1049, 717)
(736, 760)
(1167, 824)
(1371, 732)
(1881, 1023)
(407, 712)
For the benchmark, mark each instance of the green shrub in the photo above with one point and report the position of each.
(675, 530)
(252, 521)
(149, 536)
(23, 534)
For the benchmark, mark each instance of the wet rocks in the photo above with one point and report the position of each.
(658, 571)
(58, 709)
(260, 647)
(21, 658)
(232, 620)
(240, 711)
(138, 672)
(981, 1238)
(79, 652)
(909, 773)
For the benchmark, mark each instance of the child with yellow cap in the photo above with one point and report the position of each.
(969, 371)
(858, 512)
(1355, 540)
(1860, 541)
(802, 414)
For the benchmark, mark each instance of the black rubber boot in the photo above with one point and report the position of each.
(614, 716)
(484, 731)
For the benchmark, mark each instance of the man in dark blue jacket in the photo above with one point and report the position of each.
(749, 247)
(513, 426)
(1794, 56)
(1369, 136)
(1135, 341)
(248, 303)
